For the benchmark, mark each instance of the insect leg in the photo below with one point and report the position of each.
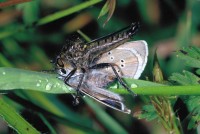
(69, 75)
(76, 100)
(76, 97)
(103, 65)
(81, 80)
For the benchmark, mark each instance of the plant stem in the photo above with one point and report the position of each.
(163, 90)
(12, 2)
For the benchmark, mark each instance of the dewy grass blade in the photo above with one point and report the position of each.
(11, 78)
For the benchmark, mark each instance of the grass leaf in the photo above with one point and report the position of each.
(49, 83)
(15, 120)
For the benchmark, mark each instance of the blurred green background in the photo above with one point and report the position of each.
(166, 25)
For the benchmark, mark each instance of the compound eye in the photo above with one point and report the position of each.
(63, 71)
(59, 63)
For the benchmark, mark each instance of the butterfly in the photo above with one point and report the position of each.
(90, 67)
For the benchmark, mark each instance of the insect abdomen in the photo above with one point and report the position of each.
(107, 43)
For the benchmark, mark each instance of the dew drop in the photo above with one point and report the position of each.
(40, 81)
(70, 88)
(114, 86)
(133, 85)
(37, 84)
(58, 84)
(4, 73)
(49, 86)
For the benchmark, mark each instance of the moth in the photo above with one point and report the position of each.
(90, 67)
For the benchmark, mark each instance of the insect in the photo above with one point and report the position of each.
(94, 85)
(90, 67)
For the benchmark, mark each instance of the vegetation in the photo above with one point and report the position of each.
(33, 32)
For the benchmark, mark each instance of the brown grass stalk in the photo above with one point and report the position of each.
(12, 2)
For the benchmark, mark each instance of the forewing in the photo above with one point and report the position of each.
(105, 97)
(130, 58)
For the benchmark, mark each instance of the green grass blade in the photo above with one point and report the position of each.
(66, 12)
(162, 90)
(15, 120)
(47, 123)
(111, 125)
(11, 78)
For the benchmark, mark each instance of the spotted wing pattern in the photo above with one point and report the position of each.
(130, 59)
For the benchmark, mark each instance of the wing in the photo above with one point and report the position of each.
(89, 88)
(130, 58)
(105, 97)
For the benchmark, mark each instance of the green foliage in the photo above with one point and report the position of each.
(187, 78)
(194, 108)
(32, 33)
(161, 105)
(30, 11)
(109, 9)
(15, 120)
(191, 56)
(148, 113)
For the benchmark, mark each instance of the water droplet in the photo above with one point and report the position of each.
(133, 85)
(40, 81)
(58, 84)
(49, 86)
(37, 84)
(70, 88)
(4, 73)
(114, 86)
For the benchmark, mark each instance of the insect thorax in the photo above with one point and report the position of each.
(75, 54)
